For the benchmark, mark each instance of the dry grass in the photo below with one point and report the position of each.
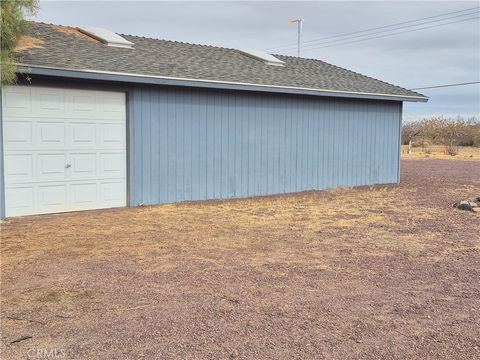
(339, 270)
(27, 43)
(438, 152)
(312, 229)
(73, 31)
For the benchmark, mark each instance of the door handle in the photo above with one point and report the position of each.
(68, 166)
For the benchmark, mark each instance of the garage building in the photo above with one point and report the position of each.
(101, 120)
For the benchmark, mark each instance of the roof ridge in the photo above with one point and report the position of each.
(177, 41)
(51, 24)
(142, 37)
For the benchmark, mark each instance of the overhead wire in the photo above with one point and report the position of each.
(385, 31)
(389, 28)
(387, 35)
(446, 85)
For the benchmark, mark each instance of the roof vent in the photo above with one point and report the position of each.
(107, 37)
(262, 56)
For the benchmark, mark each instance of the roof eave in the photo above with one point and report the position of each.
(174, 81)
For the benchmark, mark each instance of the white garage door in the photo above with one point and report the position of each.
(64, 150)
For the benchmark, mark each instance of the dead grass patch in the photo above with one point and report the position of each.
(28, 42)
(312, 229)
(53, 294)
(438, 152)
(301, 270)
(73, 31)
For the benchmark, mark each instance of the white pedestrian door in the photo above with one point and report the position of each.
(64, 149)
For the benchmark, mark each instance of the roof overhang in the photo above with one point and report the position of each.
(213, 84)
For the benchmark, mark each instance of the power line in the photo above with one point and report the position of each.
(386, 31)
(380, 27)
(401, 32)
(447, 85)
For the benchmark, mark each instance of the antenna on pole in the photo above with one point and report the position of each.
(299, 22)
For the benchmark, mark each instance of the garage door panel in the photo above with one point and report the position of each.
(112, 165)
(82, 134)
(84, 196)
(111, 194)
(64, 149)
(49, 102)
(111, 106)
(19, 167)
(50, 133)
(20, 200)
(17, 101)
(52, 198)
(112, 134)
(83, 165)
(18, 134)
(52, 166)
(81, 104)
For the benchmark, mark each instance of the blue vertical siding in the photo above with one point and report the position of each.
(2, 185)
(193, 144)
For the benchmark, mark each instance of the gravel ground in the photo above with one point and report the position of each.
(383, 272)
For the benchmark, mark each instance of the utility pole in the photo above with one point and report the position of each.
(299, 22)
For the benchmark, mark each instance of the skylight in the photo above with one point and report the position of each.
(262, 56)
(107, 37)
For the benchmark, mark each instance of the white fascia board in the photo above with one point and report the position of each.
(139, 78)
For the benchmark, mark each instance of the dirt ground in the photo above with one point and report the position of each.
(384, 272)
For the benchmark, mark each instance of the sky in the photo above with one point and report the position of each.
(435, 56)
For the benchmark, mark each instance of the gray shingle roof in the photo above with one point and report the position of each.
(66, 47)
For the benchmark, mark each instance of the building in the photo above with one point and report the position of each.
(100, 120)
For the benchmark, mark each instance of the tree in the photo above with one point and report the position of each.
(449, 132)
(409, 133)
(12, 26)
